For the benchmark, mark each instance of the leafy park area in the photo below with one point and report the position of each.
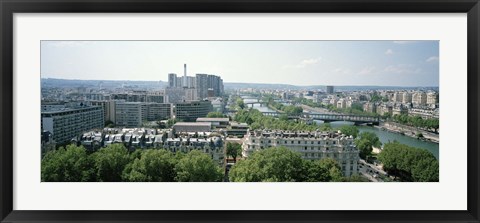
(409, 163)
(280, 164)
(114, 164)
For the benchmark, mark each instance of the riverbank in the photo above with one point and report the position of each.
(409, 131)
(316, 110)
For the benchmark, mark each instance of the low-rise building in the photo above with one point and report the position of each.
(192, 127)
(237, 129)
(216, 122)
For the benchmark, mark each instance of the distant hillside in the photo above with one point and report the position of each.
(53, 82)
(319, 87)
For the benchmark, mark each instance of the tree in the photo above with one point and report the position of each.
(161, 124)
(197, 166)
(326, 127)
(170, 123)
(66, 165)
(240, 103)
(293, 110)
(109, 162)
(154, 165)
(349, 130)
(280, 164)
(366, 142)
(283, 117)
(109, 124)
(234, 150)
(387, 115)
(419, 135)
(409, 163)
(356, 178)
(216, 115)
(323, 170)
(270, 165)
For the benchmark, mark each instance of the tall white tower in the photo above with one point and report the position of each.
(184, 79)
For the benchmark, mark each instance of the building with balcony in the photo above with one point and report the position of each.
(311, 145)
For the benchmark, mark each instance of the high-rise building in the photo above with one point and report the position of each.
(172, 80)
(175, 95)
(406, 97)
(419, 98)
(65, 124)
(133, 114)
(108, 109)
(214, 83)
(330, 90)
(190, 111)
(156, 111)
(397, 97)
(128, 114)
(432, 98)
(202, 85)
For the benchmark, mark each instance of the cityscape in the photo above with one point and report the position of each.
(307, 120)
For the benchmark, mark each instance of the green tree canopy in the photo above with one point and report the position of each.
(154, 165)
(216, 115)
(350, 130)
(270, 165)
(323, 170)
(365, 143)
(110, 161)
(240, 103)
(66, 165)
(280, 164)
(409, 163)
(197, 166)
(234, 150)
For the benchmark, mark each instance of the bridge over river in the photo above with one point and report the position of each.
(356, 119)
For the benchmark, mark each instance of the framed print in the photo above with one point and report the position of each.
(239, 111)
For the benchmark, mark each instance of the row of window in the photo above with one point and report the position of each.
(304, 142)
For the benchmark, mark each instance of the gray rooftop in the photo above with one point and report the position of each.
(212, 120)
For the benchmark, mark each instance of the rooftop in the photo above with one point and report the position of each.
(212, 120)
(193, 124)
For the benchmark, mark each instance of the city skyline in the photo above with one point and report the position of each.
(300, 63)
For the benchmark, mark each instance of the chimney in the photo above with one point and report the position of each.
(185, 69)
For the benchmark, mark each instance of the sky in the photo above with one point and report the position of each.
(379, 63)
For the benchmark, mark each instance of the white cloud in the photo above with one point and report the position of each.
(389, 52)
(402, 69)
(367, 70)
(404, 41)
(341, 71)
(432, 59)
(305, 63)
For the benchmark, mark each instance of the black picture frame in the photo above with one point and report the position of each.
(9, 7)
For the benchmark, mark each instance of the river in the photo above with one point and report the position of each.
(259, 106)
(386, 136)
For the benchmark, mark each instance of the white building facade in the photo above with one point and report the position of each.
(311, 146)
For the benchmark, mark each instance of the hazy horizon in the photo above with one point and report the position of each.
(298, 63)
(166, 81)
